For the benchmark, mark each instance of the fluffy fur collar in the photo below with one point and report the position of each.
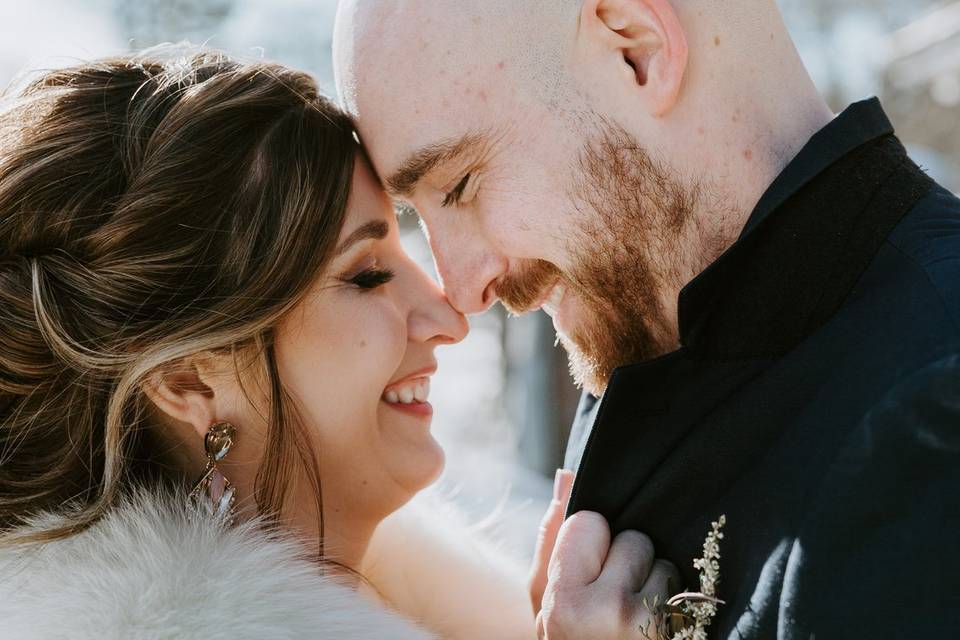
(153, 569)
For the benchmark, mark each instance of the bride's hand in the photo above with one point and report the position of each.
(547, 537)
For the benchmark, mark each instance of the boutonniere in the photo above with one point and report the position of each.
(686, 616)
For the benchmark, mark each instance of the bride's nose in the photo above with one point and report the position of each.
(432, 318)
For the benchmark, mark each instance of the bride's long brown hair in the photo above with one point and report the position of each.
(152, 207)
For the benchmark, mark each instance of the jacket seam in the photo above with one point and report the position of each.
(922, 268)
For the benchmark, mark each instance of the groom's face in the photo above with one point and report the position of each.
(522, 198)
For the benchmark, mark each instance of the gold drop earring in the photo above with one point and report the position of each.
(213, 492)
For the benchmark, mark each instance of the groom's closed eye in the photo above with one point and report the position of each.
(464, 191)
(404, 181)
(453, 196)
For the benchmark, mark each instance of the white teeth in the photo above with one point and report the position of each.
(409, 393)
(422, 391)
(553, 302)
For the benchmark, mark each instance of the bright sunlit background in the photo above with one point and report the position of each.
(503, 399)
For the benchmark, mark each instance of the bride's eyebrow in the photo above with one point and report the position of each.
(376, 230)
(404, 181)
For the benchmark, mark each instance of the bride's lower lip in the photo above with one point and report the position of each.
(419, 409)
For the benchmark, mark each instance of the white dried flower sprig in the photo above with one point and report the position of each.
(686, 616)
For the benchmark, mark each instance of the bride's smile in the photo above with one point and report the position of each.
(411, 394)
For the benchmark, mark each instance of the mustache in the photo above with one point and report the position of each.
(522, 290)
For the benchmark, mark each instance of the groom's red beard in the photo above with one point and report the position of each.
(625, 260)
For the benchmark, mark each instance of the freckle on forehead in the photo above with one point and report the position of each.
(501, 65)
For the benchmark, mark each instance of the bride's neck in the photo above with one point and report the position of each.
(346, 546)
(343, 536)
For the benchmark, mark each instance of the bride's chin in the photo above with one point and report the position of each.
(431, 472)
(426, 474)
(409, 454)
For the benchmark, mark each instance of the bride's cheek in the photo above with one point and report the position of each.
(389, 326)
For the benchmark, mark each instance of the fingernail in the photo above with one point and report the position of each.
(557, 482)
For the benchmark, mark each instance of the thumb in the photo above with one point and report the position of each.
(547, 536)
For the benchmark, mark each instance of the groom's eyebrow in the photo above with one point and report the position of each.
(418, 164)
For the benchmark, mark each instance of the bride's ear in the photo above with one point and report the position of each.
(184, 392)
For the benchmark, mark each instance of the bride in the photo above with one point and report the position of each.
(215, 363)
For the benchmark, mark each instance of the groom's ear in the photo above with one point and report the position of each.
(644, 40)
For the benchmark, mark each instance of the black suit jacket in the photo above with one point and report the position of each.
(815, 402)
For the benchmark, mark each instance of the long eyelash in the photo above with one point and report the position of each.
(372, 278)
(454, 196)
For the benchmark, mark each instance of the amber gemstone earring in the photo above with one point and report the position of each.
(213, 491)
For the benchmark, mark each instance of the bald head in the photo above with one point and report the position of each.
(415, 43)
(422, 61)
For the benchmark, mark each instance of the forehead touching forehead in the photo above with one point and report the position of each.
(421, 73)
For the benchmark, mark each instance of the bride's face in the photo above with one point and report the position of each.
(357, 356)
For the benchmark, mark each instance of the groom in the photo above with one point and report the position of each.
(760, 299)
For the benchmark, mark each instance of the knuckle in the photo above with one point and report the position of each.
(551, 629)
(640, 541)
(587, 519)
(566, 598)
(666, 567)
(558, 622)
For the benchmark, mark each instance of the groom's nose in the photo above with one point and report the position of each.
(468, 271)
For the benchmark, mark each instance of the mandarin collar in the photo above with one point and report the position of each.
(859, 123)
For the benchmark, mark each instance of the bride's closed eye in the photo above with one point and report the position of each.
(372, 277)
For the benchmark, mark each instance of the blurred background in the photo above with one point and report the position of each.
(503, 398)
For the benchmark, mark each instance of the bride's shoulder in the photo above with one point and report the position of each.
(152, 568)
(431, 564)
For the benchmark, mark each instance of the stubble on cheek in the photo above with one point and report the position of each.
(627, 257)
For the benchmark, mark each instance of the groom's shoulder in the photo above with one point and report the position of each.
(928, 241)
(900, 462)
(921, 413)
(878, 546)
